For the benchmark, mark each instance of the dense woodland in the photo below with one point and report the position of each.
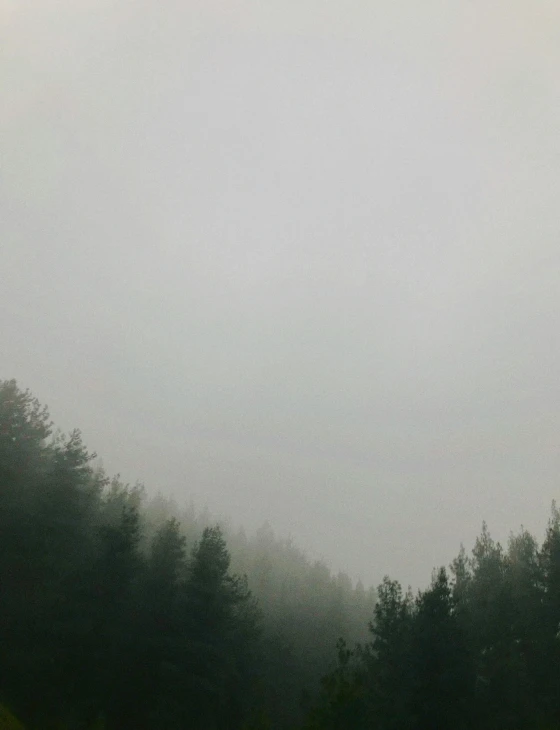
(118, 612)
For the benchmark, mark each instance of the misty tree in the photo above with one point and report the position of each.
(223, 624)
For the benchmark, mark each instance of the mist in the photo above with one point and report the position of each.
(295, 262)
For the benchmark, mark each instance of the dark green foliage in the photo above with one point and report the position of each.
(387, 657)
(118, 617)
(549, 620)
(304, 610)
(93, 625)
(479, 651)
(222, 625)
(343, 699)
(442, 690)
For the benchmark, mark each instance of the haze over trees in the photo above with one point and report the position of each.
(117, 611)
(479, 648)
(131, 611)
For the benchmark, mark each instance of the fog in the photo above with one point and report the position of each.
(297, 262)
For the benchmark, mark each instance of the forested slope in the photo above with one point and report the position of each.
(129, 611)
(118, 611)
(479, 648)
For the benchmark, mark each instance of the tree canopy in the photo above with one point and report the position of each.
(120, 612)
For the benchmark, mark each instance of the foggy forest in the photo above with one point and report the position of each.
(120, 611)
(279, 357)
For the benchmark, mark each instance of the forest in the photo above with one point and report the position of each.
(120, 610)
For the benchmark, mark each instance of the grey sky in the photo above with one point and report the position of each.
(298, 261)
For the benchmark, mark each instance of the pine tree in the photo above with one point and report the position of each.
(223, 625)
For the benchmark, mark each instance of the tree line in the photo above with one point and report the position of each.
(118, 611)
(479, 648)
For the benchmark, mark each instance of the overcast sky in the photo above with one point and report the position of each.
(296, 260)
